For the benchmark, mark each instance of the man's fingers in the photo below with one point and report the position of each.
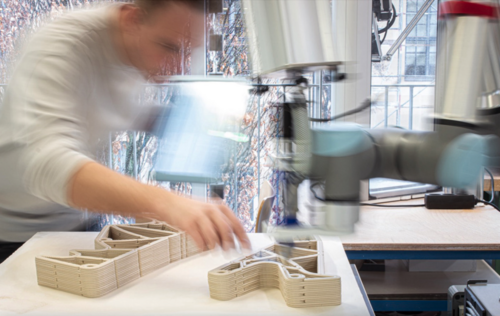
(236, 227)
(224, 230)
(208, 232)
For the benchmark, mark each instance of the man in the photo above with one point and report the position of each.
(74, 83)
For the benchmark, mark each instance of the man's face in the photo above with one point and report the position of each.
(161, 34)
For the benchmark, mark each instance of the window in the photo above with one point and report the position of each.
(420, 53)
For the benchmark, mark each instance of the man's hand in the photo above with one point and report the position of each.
(208, 224)
(97, 188)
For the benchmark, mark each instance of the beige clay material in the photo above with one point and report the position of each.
(296, 277)
(123, 254)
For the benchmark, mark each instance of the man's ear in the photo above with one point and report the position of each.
(131, 18)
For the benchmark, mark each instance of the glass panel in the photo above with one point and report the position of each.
(431, 70)
(410, 64)
(433, 19)
(409, 17)
(432, 59)
(393, 108)
(420, 70)
(411, 6)
(421, 49)
(433, 31)
(410, 56)
(423, 108)
(422, 28)
(421, 60)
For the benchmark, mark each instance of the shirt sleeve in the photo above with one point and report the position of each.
(54, 124)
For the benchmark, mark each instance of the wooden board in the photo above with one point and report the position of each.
(179, 288)
(418, 228)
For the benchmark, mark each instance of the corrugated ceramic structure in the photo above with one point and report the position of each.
(123, 254)
(296, 277)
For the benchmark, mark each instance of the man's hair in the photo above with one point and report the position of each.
(149, 5)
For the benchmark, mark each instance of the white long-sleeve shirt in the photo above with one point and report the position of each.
(69, 90)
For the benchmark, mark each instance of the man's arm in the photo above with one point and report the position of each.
(57, 170)
(97, 188)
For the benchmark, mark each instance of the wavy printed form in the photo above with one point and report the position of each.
(296, 277)
(123, 254)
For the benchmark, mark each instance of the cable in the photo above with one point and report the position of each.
(488, 203)
(492, 185)
(385, 33)
(390, 23)
(366, 104)
(383, 40)
(383, 205)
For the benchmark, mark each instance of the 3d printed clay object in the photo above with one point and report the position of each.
(296, 277)
(123, 254)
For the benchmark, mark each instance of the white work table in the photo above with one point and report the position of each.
(177, 289)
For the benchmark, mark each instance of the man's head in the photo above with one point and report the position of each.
(153, 30)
